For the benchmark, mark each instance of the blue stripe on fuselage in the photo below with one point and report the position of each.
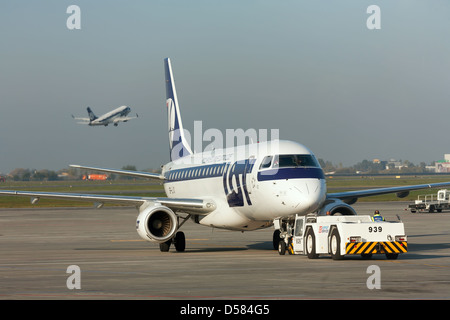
(291, 173)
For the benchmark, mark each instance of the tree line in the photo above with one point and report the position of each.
(371, 167)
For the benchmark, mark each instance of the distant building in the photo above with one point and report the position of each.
(394, 164)
(443, 166)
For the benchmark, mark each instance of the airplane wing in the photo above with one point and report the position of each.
(139, 174)
(352, 196)
(193, 206)
(124, 119)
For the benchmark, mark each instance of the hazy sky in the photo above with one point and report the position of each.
(311, 69)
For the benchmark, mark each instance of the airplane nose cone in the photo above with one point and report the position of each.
(305, 195)
(316, 194)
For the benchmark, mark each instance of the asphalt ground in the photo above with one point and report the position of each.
(39, 248)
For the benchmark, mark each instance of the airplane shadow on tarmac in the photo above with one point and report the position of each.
(264, 246)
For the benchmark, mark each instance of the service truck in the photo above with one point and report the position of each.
(339, 236)
(432, 202)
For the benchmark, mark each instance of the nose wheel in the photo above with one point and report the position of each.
(276, 239)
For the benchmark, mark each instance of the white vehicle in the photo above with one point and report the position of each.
(241, 188)
(432, 202)
(115, 116)
(338, 236)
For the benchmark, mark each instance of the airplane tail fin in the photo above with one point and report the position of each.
(179, 146)
(92, 116)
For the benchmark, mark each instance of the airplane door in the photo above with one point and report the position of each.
(298, 234)
(251, 178)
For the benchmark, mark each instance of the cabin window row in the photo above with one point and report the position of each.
(193, 173)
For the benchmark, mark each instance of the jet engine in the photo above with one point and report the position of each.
(157, 223)
(336, 207)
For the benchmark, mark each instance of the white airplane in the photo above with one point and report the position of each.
(242, 188)
(115, 116)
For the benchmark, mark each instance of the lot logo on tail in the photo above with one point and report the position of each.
(177, 141)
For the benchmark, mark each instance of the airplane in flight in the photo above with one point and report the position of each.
(115, 116)
(241, 188)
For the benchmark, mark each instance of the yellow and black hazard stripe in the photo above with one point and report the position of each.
(290, 248)
(376, 247)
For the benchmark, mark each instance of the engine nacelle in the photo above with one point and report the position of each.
(157, 223)
(336, 207)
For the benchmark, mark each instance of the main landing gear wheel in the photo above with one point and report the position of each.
(165, 246)
(180, 241)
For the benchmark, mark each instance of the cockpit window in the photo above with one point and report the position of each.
(267, 161)
(294, 161)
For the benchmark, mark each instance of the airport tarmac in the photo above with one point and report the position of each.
(38, 246)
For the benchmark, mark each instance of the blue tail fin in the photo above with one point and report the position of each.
(179, 147)
(92, 116)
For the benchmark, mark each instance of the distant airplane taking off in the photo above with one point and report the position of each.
(114, 117)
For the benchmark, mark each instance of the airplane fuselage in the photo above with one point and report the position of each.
(251, 185)
(109, 117)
